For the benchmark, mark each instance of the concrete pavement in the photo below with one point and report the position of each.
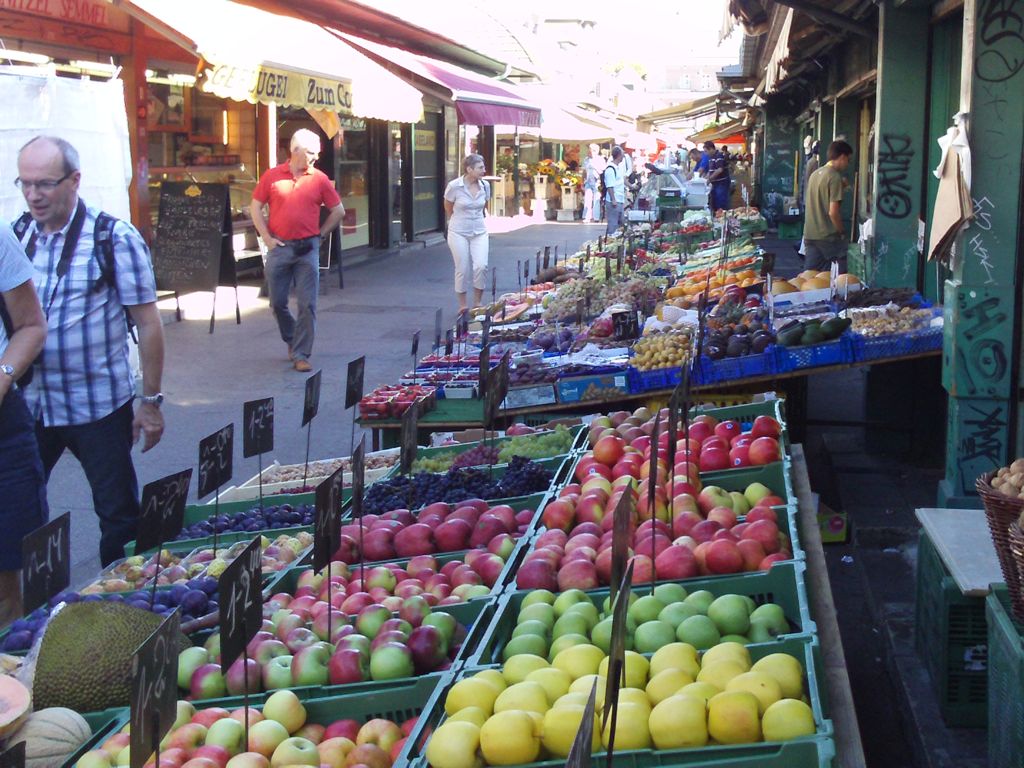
(208, 377)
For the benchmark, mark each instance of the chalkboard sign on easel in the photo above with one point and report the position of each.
(193, 250)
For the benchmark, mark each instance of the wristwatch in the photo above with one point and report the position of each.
(156, 399)
(8, 369)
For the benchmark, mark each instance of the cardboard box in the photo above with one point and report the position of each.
(834, 525)
(577, 389)
(528, 396)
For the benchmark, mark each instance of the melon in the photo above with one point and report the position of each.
(51, 736)
(15, 703)
(782, 286)
(846, 279)
(815, 283)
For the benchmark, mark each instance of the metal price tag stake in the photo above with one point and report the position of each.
(216, 467)
(310, 408)
(258, 433)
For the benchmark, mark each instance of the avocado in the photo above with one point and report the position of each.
(812, 335)
(791, 337)
(834, 326)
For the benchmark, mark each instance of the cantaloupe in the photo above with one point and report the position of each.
(815, 283)
(807, 274)
(15, 704)
(782, 286)
(846, 279)
(51, 736)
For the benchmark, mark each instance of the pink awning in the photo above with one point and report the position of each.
(478, 100)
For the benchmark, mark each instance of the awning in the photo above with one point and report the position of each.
(251, 55)
(732, 132)
(477, 100)
(776, 71)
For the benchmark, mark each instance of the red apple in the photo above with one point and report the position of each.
(753, 554)
(676, 562)
(765, 426)
(764, 450)
(723, 556)
(764, 532)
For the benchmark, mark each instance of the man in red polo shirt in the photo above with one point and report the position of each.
(294, 192)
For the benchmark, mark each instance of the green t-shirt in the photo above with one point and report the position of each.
(824, 186)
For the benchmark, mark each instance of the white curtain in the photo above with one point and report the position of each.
(88, 113)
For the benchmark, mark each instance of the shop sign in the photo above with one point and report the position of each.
(425, 141)
(279, 86)
(93, 13)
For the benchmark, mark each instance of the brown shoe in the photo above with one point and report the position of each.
(303, 366)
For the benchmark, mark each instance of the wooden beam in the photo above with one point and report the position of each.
(830, 18)
(945, 8)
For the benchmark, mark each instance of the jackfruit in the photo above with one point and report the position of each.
(85, 658)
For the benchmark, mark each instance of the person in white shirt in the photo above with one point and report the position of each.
(615, 190)
(465, 204)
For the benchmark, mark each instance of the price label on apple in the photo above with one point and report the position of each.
(163, 510)
(154, 700)
(241, 614)
(46, 562)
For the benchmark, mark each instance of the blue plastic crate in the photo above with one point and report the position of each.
(866, 348)
(835, 352)
(731, 368)
(647, 381)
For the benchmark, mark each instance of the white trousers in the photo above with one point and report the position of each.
(470, 255)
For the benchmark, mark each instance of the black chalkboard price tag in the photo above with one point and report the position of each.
(355, 376)
(241, 613)
(326, 529)
(580, 754)
(311, 401)
(163, 510)
(358, 477)
(258, 431)
(607, 266)
(620, 539)
(14, 757)
(625, 325)
(484, 369)
(407, 439)
(415, 346)
(673, 424)
(437, 329)
(154, 690)
(497, 389)
(216, 459)
(536, 270)
(449, 342)
(46, 562)
(547, 256)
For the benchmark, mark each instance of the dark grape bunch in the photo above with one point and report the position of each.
(522, 478)
(273, 517)
(196, 597)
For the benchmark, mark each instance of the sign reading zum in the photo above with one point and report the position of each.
(279, 86)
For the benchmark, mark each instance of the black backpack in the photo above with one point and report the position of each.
(603, 182)
(103, 239)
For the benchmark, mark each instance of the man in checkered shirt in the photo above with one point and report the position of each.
(82, 389)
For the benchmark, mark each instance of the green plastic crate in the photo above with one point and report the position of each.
(1005, 682)
(782, 584)
(952, 638)
(804, 647)
(498, 443)
(103, 724)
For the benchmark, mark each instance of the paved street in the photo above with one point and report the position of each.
(208, 377)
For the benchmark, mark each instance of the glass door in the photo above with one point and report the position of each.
(396, 202)
(428, 138)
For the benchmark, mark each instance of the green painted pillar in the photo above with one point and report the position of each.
(980, 358)
(826, 120)
(846, 124)
(899, 154)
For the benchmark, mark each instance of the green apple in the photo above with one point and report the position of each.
(566, 641)
(539, 612)
(601, 635)
(536, 645)
(189, 661)
(295, 751)
(309, 665)
(741, 639)
(228, 733)
(606, 606)
(568, 598)
(740, 505)
(587, 610)
(390, 661)
(755, 492)
(645, 608)
(670, 593)
(531, 627)
(278, 673)
(701, 600)
(444, 622)
(538, 596)
(570, 624)
(676, 613)
(770, 618)
(183, 714)
(285, 707)
(731, 614)
(652, 635)
(699, 631)
(265, 736)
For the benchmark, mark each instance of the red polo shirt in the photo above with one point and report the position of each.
(295, 201)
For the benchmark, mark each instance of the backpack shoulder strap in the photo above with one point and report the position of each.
(103, 236)
(20, 226)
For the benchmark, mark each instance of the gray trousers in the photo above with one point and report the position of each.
(819, 254)
(284, 267)
(613, 212)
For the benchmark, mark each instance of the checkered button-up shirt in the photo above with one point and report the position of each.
(83, 373)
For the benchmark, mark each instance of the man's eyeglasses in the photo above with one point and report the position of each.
(46, 185)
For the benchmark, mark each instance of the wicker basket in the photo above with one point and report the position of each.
(1003, 511)
(1016, 590)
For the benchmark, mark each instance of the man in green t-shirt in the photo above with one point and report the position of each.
(824, 235)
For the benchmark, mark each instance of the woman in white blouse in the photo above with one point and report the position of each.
(465, 204)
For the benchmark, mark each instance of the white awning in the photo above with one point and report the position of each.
(251, 55)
